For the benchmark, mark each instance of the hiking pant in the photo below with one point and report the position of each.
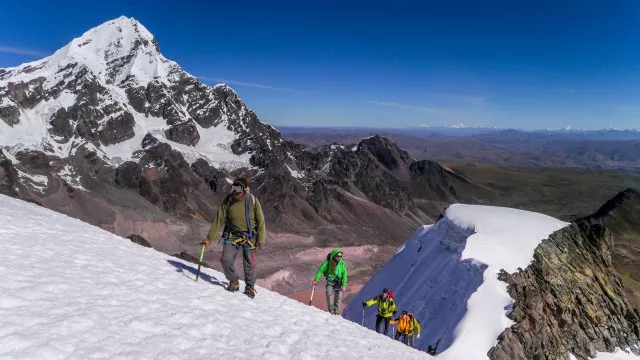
(379, 321)
(405, 337)
(334, 296)
(229, 254)
(411, 340)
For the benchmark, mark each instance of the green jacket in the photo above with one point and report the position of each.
(338, 276)
(386, 308)
(231, 213)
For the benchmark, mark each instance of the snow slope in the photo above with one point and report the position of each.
(447, 275)
(69, 290)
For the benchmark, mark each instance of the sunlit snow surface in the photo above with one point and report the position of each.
(69, 290)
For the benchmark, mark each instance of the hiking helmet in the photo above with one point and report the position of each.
(404, 312)
(385, 290)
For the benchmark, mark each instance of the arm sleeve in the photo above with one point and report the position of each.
(417, 327)
(321, 270)
(392, 308)
(260, 226)
(373, 301)
(218, 222)
(344, 278)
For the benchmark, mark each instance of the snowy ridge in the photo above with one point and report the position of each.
(74, 291)
(447, 275)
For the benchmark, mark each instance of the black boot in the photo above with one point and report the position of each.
(250, 291)
(233, 286)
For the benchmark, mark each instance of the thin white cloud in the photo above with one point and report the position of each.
(21, 51)
(410, 107)
(245, 84)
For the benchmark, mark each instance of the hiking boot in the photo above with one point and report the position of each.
(233, 286)
(250, 291)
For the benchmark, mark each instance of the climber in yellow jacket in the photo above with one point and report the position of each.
(403, 327)
(414, 329)
(386, 309)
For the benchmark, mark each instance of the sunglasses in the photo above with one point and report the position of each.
(237, 188)
(338, 256)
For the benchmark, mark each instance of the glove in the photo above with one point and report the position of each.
(315, 283)
(364, 304)
(205, 243)
(395, 311)
(418, 336)
(260, 245)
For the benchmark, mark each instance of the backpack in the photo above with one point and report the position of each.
(403, 325)
(390, 294)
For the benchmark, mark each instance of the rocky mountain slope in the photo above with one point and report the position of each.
(607, 149)
(569, 300)
(621, 215)
(110, 131)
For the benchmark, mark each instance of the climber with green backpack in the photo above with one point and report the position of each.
(240, 216)
(334, 270)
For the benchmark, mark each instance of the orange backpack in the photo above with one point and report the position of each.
(403, 324)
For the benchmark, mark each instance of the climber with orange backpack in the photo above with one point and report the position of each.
(386, 309)
(403, 327)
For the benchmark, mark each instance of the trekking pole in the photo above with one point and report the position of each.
(363, 316)
(200, 263)
(312, 291)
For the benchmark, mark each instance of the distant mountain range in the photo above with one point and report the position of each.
(463, 130)
(590, 149)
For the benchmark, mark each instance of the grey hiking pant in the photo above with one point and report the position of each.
(229, 254)
(405, 338)
(334, 296)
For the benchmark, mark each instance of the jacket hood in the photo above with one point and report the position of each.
(335, 252)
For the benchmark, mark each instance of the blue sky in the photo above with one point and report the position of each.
(517, 64)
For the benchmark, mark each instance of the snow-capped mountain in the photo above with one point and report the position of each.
(72, 290)
(499, 283)
(111, 87)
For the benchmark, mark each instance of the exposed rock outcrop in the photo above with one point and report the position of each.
(569, 300)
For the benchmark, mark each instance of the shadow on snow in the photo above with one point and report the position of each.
(181, 268)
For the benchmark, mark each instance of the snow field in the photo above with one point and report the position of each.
(69, 290)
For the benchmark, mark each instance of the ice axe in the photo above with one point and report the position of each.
(200, 263)
(312, 291)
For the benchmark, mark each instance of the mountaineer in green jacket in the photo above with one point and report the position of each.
(335, 272)
(241, 219)
(386, 309)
